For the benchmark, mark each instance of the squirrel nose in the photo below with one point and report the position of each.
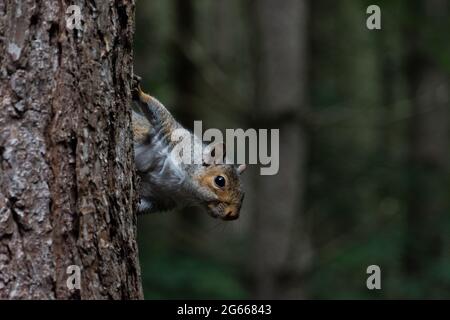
(231, 215)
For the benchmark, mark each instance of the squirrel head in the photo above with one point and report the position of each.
(224, 181)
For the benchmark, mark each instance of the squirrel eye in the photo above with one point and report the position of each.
(219, 181)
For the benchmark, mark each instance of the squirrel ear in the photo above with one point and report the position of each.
(241, 168)
(214, 154)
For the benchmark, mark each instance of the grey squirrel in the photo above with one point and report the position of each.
(166, 184)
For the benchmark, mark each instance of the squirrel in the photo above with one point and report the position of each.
(166, 183)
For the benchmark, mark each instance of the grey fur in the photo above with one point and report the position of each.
(166, 183)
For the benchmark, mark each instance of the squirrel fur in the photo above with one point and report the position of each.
(167, 184)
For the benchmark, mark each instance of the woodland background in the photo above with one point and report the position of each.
(364, 122)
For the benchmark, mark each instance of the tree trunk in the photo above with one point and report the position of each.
(223, 48)
(184, 68)
(428, 202)
(281, 245)
(67, 179)
(184, 74)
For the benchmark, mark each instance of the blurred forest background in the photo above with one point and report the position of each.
(364, 146)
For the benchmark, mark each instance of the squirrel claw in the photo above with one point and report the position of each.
(136, 87)
(137, 93)
(136, 79)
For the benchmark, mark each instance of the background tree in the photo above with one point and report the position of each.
(281, 245)
(66, 184)
(429, 128)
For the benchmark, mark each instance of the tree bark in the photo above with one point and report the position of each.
(67, 191)
(281, 243)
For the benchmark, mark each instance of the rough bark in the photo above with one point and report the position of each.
(281, 244)
(66, 172)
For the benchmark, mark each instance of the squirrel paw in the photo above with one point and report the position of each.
(144, 206)
(136, 86)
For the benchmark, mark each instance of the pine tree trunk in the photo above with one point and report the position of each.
(66, 164)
